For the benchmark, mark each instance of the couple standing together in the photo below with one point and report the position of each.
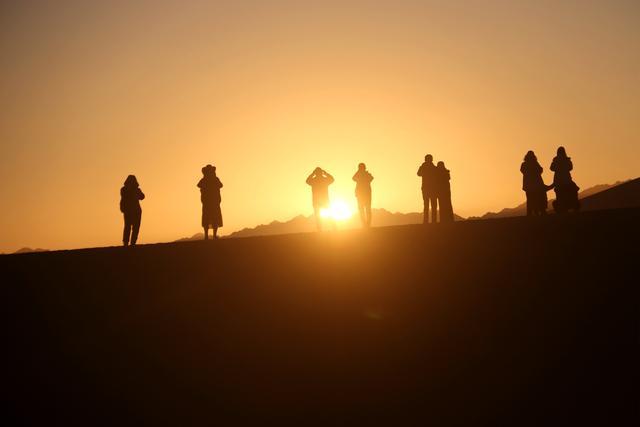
(436, 190)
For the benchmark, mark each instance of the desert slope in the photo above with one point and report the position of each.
(498, 322)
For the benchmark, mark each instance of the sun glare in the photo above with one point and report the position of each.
(338, 210)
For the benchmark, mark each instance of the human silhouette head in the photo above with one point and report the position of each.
(428, 158)
(362, 167)
(131, 181)
(561, 152)
(530, 156)
(318, 171)
(209, 170)
(440, 165)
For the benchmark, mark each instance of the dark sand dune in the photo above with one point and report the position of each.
(499, 322)
(625, 195)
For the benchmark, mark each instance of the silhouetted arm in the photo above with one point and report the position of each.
(329, 177)
(355, 177)
(219, 183)
(553, 165)
(569, 165)
(310, 179)
(140, 194)
(420, 169)
(369, 176)
(200, 183)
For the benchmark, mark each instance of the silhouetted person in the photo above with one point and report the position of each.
(533, 185)
(566, 190)
(427, 172)
(210, 187)
(319, 180)
(363, 193)
(443, 192)
(130, 196)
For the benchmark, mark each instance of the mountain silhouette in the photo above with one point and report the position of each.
(625, 195)
(29, 250)
(306, 224)
(621, 199)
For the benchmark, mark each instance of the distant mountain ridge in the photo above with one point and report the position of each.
(306, 224)
(26, 250)
(624, 199)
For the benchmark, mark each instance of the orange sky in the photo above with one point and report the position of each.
(266, 91)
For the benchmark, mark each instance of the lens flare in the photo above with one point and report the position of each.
(338, 210)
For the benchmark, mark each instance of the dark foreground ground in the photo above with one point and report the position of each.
(506, 322)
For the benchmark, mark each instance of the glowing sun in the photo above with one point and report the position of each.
(338, 210)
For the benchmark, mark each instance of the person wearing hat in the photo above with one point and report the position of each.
(210, 186)
(130, 196)
(319, 180)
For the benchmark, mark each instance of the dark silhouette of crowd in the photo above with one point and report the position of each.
(436, 194)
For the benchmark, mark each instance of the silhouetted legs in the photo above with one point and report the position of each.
(131, 227)
(446, 208)
(365, 215)
(316, 214)
(429, 199)
(530, 203)
(206, 232)
(566, 198)
(536, 202)
(364, 207)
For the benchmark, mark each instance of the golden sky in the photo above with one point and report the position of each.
(266, 91)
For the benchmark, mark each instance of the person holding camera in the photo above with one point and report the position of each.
(319, 180)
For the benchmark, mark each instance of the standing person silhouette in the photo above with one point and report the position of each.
(566, 190)
(427, 172)
(210, 186)
(363, 193)
(443, 192)
(319, 180)
(130, 196)
(533, 185)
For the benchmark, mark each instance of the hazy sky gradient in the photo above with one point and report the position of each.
(266, 91)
